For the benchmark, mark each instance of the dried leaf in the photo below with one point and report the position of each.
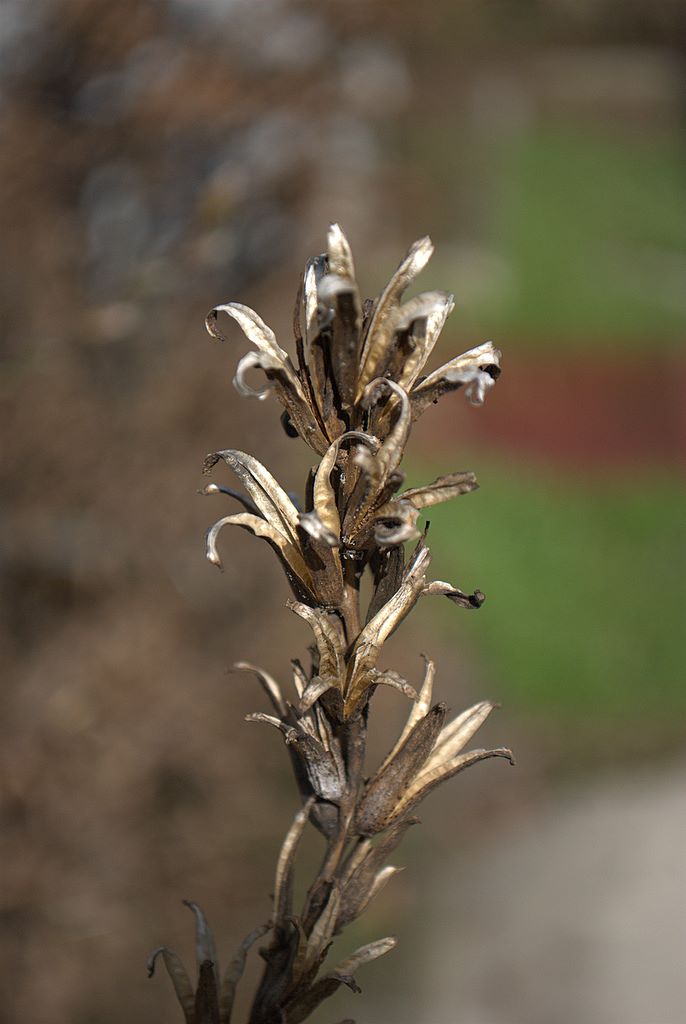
(300, 680)
(179, 977)
(364, 876)
(339, 253)
(340, 308)
(426, 339)
(388, 573)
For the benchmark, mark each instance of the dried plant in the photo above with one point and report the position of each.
(353, 396)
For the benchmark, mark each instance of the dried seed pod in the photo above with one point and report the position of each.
(383, 793)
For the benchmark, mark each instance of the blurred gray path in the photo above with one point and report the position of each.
(577, 916)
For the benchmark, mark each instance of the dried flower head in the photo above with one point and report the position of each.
(352, 395)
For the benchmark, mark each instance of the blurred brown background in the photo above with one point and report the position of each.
(161, 156)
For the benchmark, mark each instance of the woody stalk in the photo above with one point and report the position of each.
(357, 385)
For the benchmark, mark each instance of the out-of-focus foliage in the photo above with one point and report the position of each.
(157, 155)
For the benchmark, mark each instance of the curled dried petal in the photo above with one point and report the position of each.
(364, 955)
(254, 361)
(368, 644)
(269, 685)
(418, 710)
(330, 644)
(204, 940)
(324, 496)
(395, 523)
(392, 450)
(479, 368)
(283, 881)
(430, 778)
(312, 693)
(457, 734)
(245, 501)
(444, 488)
(267, 494)
(296, 570)
(179, 978)
(391, 678)
(277, 366)
(469, 601)
(378, 335)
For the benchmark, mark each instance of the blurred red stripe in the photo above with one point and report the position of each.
(581, 410)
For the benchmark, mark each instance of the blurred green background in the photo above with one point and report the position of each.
(161, 156)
